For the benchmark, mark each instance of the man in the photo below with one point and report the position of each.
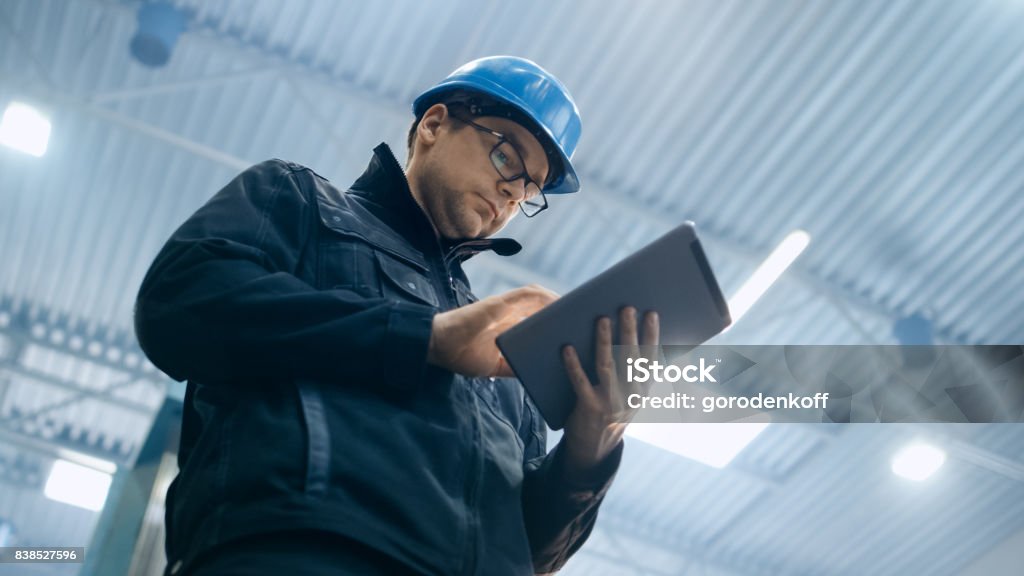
(346, 409)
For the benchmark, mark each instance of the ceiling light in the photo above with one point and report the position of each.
(24, 128)
(77, 485)
(713, 444)
(918, 461)
(767, 273)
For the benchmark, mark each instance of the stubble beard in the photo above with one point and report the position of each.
(450, 213)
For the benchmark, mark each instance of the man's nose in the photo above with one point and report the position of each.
(514, 190)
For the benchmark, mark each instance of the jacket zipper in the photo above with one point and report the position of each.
(475, 453)
(451, 300)
(473, 521)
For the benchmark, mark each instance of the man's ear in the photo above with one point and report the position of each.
(431, 123)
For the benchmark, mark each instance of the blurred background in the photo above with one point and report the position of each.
(855, 170)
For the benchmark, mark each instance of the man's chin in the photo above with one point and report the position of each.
(477, 227)
(465, 230)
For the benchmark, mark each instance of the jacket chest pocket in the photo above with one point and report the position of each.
(401, 281)
(372, 272)
(358, 253)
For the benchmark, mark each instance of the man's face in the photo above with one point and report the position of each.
(455, 180)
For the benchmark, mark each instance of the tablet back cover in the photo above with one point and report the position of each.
(670, 275)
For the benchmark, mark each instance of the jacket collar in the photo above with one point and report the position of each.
(384, 183)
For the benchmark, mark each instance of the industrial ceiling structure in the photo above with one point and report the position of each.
(892, 132)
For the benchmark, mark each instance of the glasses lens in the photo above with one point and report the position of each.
(535, 201)
(507, 161)
(533, 194)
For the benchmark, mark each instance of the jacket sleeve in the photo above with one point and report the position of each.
(221, 302)
(559, 514)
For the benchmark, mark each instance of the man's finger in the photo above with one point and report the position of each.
(532, 292)
(580, 383)
(604, 361)
(526, 300)
(505, 310)
(627, 326)
(652, 329)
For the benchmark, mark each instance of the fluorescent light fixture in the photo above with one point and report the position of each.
(713, 444)
(918, 461)
(767, 273)
(24, 128)
(77, 485)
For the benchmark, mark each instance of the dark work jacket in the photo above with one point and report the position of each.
(300, 315)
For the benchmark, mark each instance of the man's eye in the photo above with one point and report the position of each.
(501, 158)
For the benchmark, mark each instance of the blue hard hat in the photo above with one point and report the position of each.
(532, 91)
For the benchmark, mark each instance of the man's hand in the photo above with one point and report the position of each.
(599, 419)
(462, 340)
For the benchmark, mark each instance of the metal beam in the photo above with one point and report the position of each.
(24, 316)
(81, 393)
(987, 460)
(94, 460)
(77, 396)
(80, 105)
(179, 85)
(191, 146)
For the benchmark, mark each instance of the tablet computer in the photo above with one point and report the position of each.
(670, 276)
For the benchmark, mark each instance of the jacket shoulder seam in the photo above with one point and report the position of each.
(288, 172)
